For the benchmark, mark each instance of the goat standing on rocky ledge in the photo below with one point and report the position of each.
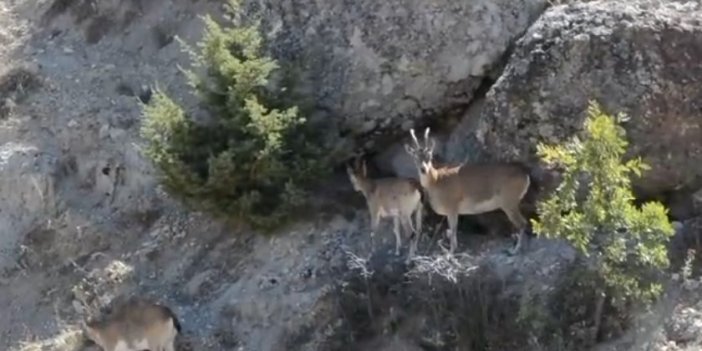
(398, 198)
(471, 189)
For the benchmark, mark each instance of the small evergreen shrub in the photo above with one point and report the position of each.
(257, 158)
(593, 208)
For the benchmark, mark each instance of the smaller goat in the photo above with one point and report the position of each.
(398, 198)
(135, 325)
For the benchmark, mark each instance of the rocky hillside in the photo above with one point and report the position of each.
(83, 220)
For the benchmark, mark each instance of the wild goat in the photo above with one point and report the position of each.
(398, 198)
(135, 325)
(470, 189)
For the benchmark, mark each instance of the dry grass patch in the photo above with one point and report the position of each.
(70, 339)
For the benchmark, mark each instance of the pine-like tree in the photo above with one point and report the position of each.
(255, 160)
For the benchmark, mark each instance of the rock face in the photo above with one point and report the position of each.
(638, 57)
(384, 64)
(79, 197)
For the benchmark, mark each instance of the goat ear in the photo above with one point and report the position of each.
(353, 167)
(364, 171)
(357, 162)
(409, 149)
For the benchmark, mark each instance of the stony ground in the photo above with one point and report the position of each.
(92, 224)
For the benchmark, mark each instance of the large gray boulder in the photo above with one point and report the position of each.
(367, 66)
(639, 57)
(382, 65)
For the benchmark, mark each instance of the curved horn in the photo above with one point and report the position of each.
(414, 137)
(429, 143)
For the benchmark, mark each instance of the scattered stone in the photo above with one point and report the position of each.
(145, 94)
(7, 108)
(686, 328)
(192, 288)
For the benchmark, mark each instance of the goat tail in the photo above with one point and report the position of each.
(176, 324)
(537, 178)
(174, 318)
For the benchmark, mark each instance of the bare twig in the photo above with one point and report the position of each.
(450, 267)
(357, 263)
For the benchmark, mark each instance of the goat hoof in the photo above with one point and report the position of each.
(442, 247)
(513, 251)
